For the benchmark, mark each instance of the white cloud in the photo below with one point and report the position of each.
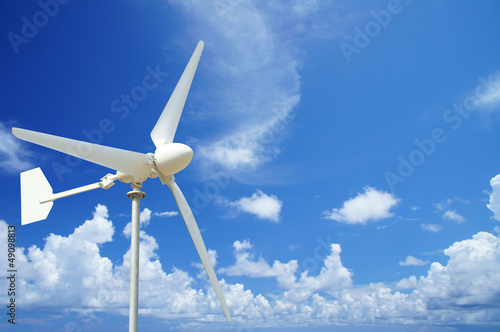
(447, 203)
(488, 92)
(410, 260)
(166, 214)
(454, 216)
(465, 290)
(407, 283)
(245, 245)
(431, 227)
(13, 154)
(247, 265)
(257, 84)
(263, 206)
(332, 277)
(372, 205)
(53, 279)
(145, 217)
(470, 278)
(212, 255)
(494, 204)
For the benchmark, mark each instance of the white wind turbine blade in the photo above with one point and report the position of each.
(198, 242)
(164, 130)
(128, 162)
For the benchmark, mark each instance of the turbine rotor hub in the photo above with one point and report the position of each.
(172, 158)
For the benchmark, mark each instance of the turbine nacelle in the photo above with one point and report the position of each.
(172, 158)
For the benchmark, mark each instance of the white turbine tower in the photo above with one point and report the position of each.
(131, 167)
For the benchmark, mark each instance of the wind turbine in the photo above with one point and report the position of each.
(131, 167)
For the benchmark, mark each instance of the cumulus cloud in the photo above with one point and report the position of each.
(332, 277)
(261, 205)
(247, 265)
(52, 277)
(13, 154)
(494, 204)
(410, 260)
(145, 217)
(464, 290)
(431, 227)
(454, 216)
(407, 283)
(470, 278)
(371, 205)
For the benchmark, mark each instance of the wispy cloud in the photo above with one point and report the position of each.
(371, 205)
(448, 213)
(489, 96)
(255, 84)
(443, 205)
(410, 260)
(431, 227)
(13, 154)
(454, 216)
(166, 214)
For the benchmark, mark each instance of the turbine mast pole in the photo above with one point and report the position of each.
(136, 196)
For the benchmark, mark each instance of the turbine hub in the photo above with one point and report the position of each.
(172, 158)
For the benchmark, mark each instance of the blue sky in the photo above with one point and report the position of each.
(345, 170)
